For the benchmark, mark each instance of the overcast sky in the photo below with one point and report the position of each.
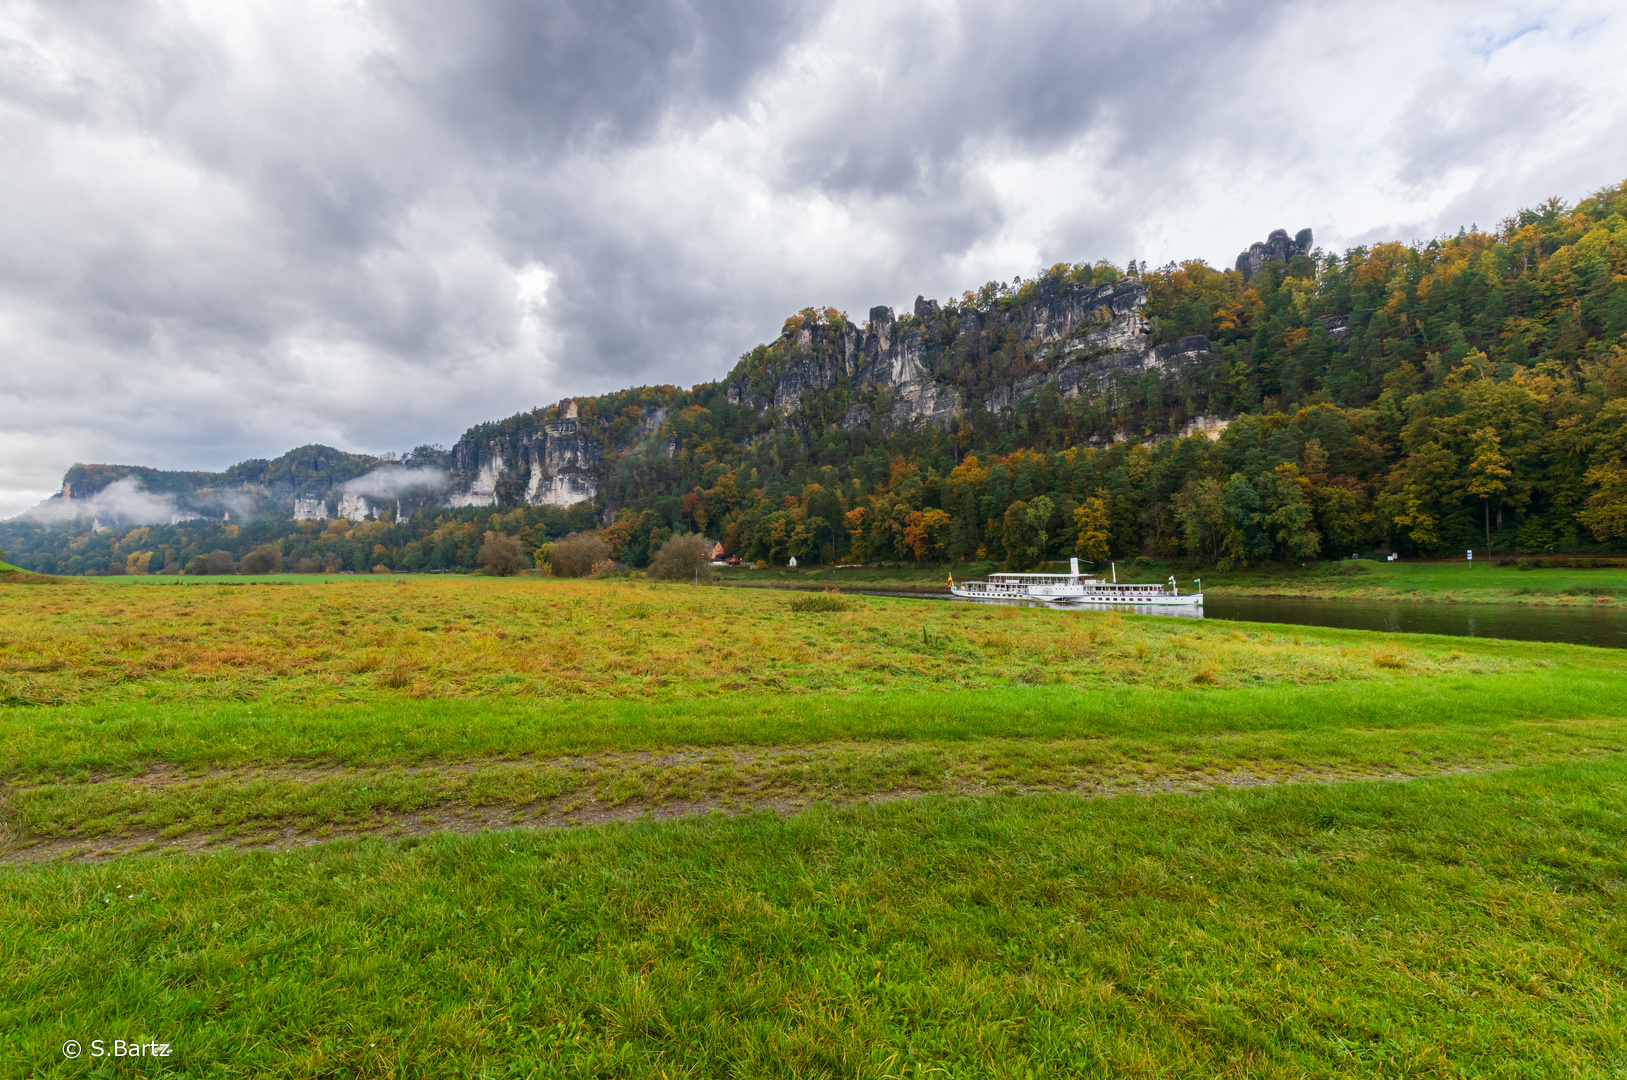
(228, 229)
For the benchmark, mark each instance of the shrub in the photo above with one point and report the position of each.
(820, 602)
(576, 555)
(503, 555)
(680, 558)
(216, 562)
(266, 559)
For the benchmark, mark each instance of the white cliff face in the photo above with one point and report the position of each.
(353, 507)
(310, 509)
(925, 399)
(562, 462)
(482, 491)
(561, 491)
(1210, 427)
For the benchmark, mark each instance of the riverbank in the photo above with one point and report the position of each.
(1432, 582)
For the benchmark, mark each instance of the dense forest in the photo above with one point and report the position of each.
(1467, 392)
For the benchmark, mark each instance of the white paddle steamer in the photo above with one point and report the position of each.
(1074, 587)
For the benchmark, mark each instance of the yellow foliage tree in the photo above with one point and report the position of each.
(1094, 528)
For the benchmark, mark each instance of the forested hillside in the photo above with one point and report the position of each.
(1462, 393)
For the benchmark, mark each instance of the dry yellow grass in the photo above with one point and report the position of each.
(84, 642)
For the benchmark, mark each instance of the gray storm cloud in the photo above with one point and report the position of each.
(232, 229)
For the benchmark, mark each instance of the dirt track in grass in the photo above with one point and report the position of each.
(734, 781)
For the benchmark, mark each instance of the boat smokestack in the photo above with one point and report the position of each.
(1073, 566)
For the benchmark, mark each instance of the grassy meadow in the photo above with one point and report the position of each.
(483, 827)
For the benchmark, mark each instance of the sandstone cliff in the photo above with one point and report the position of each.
(937, 364)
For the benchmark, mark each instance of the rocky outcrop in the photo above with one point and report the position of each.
(1210, 427)
(928, 365)
(483, 465)
(354, 507)
(562, 464)
(1337, 326)
(1090, 333)
(547, 458)
(1277, 248)
(290, 485)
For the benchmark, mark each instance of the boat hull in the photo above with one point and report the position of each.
(1066, 594)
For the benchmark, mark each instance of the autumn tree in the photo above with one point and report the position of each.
(616, 536)
(926, 532)
(216, 562)
(1606, 510)
(576, 555)
(1421, 491)
(1489, 472)
(265, 559)
(1095, 528)
(680, 558)
(1015, 534)
(503, 555)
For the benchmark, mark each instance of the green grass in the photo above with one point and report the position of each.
(908, 839)
(1461, 926)
(188, 580)
(87, 779)
(14, 575)
(196, 717)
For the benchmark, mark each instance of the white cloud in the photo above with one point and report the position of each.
(390, 482)
(123, 502)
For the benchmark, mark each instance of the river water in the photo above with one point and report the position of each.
(1601, 624)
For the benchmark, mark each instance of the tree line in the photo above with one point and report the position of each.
(1420, 398)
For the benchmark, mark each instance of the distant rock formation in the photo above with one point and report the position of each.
(1090, 332)
(936, 364)
(551, 462)
(1277, 248)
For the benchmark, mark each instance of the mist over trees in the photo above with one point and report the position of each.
(1420, 398)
